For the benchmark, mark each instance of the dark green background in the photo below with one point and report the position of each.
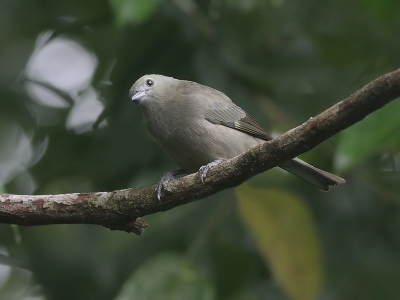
(282, 61)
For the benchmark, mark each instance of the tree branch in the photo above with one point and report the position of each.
(121, 209)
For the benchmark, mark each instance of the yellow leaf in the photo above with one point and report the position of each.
(284, 231)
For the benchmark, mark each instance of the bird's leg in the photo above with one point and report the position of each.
(164, 180)
(204, 169)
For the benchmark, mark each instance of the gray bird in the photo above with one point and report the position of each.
(198, 127)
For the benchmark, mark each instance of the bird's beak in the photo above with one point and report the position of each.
(137, 95)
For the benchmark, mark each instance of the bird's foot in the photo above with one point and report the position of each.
(204, 169)
(164, 180)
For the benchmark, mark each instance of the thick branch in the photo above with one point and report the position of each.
(121, 209)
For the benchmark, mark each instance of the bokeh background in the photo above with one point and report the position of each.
(67, 125)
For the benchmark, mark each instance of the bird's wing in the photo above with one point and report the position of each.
(234, 117)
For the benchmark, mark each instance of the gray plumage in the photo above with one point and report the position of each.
(196, 125)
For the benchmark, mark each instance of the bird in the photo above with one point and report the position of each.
(198, 127)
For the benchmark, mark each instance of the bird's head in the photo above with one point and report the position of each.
(151, 87)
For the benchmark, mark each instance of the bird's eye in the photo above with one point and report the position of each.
(149, 82)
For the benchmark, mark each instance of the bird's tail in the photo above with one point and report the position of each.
(319, 178)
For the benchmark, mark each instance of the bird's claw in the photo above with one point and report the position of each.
(204, 169)
(158, 190)
(164, 180)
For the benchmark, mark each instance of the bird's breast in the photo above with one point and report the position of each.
(192, 141)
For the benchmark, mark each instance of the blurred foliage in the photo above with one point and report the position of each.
(283, 229)
(67, 125)
(172, 278)
(356, 143)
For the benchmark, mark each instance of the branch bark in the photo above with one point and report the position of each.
(122, 209)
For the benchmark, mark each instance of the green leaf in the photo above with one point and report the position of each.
(284, 231)
(167, 276)
(377, 132)
(132, 11)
